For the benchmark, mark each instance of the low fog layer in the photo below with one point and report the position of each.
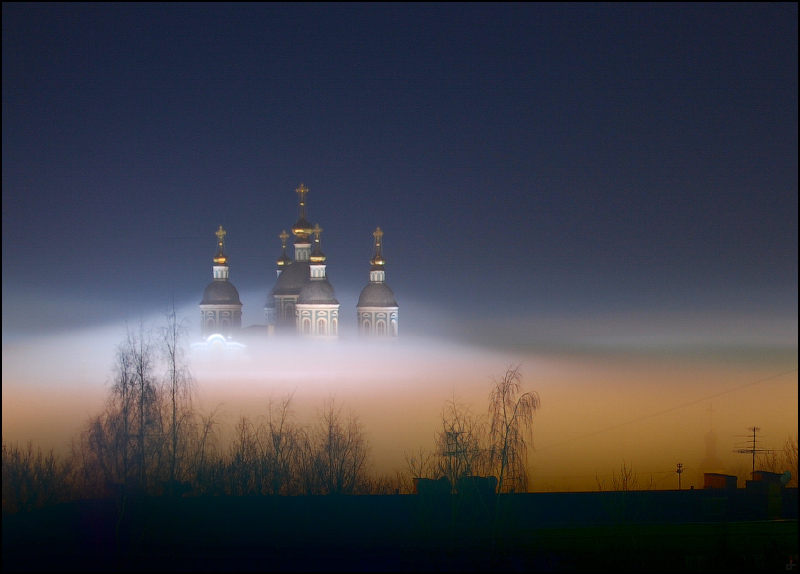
(642, 390)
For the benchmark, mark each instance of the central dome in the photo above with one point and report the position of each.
(303, 228)
(292, 278)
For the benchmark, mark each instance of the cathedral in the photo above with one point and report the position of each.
(302, 301)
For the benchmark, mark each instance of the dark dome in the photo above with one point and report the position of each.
(220, 291)
(317, 292)
(377, 295)
(292, 278)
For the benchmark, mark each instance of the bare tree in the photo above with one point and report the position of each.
(460, 444)
(789, 458)
(281, 442)
(420, 464)
(179, 386)
(124, 441)
(139, 351)
(627, 479)
(206, 454)
(783, 460)
(113, 433)
(243, 467)
(511, 423)
(334, 453)
(32, 479)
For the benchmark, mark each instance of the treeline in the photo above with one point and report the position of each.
(269, 455)
(151, 440)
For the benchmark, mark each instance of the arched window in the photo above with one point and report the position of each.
(335, 327)
(365, 325)
(306, 326)
(380, 328)
(394, 327)
(322, 326)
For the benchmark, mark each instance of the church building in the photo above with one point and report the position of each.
(377, 307)
(302, 301)
(220, 309)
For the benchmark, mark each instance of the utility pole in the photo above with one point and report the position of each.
(679, 471)
(753, 449)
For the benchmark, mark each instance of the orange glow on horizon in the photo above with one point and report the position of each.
(597, 410)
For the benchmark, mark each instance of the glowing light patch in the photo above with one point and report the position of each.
(217, 347)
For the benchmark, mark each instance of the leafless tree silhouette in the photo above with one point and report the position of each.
(334, 453)
(782, 460)
(32, 479)
(281, 445)
(121, 441)
(511, 423)
(178, 390)
(460, 444)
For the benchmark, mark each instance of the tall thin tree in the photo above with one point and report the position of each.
(511, 423)
(139, 346)
(179, 387)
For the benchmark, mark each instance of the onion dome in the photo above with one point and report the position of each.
(302, 229)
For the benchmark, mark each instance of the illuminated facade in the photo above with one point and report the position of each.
(317, 310)
(220, 309)
(377, 308)
(303, 300)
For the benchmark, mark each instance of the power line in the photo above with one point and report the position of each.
(665, 411)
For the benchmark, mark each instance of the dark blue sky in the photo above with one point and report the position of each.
(522, 159)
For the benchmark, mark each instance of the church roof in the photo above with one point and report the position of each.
(317, 293)
(377, 295)
(292, 278)
(222, 292)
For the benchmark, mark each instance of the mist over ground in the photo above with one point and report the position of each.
(632, 389)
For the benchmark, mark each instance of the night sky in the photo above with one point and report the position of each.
(547, 176)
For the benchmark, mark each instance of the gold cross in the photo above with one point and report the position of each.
(301, 191)
(220, 234)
